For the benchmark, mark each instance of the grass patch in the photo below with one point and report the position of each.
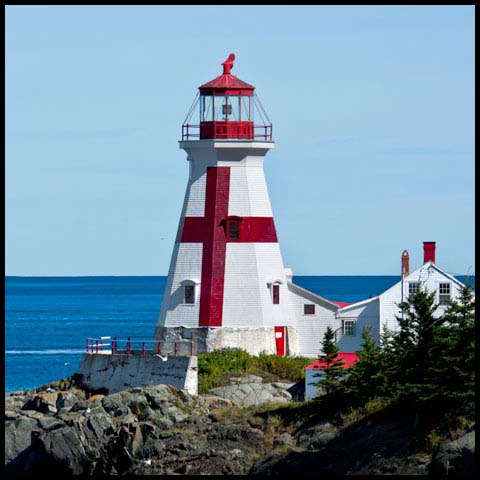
(216, 368)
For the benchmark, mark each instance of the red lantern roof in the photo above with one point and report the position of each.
(227, 84)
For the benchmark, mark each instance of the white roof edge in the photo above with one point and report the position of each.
(436, 267)
(451, 277)
(359, 304)
(304, 290)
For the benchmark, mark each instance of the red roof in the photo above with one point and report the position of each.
(348, 357)
(341, 304)
(226, 81)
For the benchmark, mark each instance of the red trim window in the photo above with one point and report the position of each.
(276, 293)
(309, 309)
(231, 226)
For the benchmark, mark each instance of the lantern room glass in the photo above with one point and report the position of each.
(206, 108)
(222, 108)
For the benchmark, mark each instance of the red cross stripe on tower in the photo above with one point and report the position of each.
(211, 231)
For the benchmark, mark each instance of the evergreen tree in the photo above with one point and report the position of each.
(454, 370)
(365, 378)
(414, 353)
(333, 371)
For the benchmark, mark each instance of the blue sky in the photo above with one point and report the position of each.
(373, 119)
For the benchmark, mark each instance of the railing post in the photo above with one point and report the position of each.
(101, 344)
(143, 349)
(128, 346)
(113, 347)
(96, 346)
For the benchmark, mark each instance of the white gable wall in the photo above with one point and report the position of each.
(311, 328)
(429, 276)
(366, 314)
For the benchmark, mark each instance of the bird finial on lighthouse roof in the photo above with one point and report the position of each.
(228, 64)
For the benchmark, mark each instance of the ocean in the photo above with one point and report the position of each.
(49, 318)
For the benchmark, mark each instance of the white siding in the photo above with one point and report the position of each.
(366, 314)
(186, 265)
(248, 192)
(247, 299)
(311, 328)
(195, 195)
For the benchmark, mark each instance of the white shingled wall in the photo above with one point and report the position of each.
(248, 191)
(364, 314)
(310, 328)
(247, 300)
(186, 265)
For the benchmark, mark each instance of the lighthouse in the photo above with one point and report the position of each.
(227, 284)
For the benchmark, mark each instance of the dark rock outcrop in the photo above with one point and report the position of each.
(66, 430)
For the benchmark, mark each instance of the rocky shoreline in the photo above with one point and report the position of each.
(246, 428)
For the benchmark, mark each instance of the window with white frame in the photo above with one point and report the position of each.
(413, 288)
(443, 293)
(348, 326)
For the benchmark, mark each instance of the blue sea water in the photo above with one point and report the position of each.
(49, 318)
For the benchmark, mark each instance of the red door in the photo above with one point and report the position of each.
(280, 340)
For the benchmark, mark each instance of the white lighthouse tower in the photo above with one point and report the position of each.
(227, 285)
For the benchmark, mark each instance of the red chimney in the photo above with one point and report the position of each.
(405, 264)
(428, 252)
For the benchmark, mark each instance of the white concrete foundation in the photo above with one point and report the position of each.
(119, 372)
(254, 340)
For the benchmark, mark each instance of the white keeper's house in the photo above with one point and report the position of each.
(227, 285)
(380, 312)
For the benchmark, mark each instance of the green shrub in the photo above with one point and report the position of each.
(216, 368)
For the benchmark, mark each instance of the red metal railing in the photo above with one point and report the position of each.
(192, 132)
(129, 346)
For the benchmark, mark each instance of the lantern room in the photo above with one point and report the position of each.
(227, 107)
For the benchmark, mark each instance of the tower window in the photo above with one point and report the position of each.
(276, 294)
(443, 293)
(233, 229)
(309, 309)
(189, 294)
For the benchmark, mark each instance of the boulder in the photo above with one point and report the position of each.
(456, 457)
(246, 379)
(317, 436)
(18, 437)
(42, 404)
(253, 394)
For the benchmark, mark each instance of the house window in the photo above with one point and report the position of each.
(233, 229)
(443, 293)
(276, 294)
(189, 294)
(413, 288)
(309, 309)
(348, 327)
